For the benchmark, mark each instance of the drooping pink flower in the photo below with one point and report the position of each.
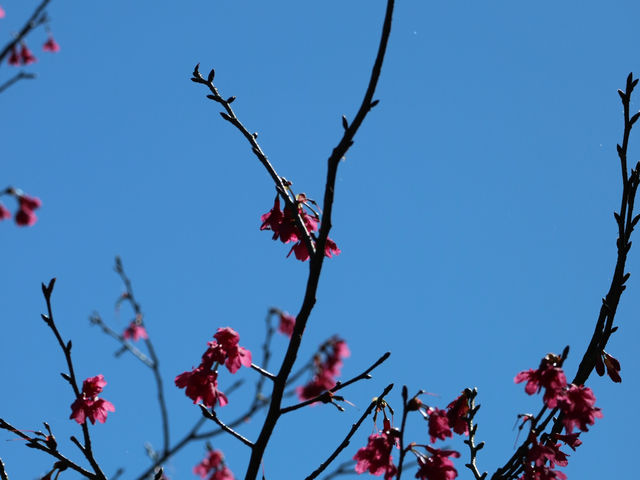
(321, 382)
(438, 424)
(212, 462)
(331, 249)
(236, 356)
(549, 375)
(457, 414)
(51, 45)
(287, 323)
(135, 332)
(88, 405)
(202, 385)
(26, 56)
(14, 58)
(4, 212)
(376, 457)
(437, 466)
(25, 216)
(612, 365)
(540, 453)
(578, 408)
(571, 439)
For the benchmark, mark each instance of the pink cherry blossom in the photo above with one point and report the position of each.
(578, 408)
(14, 58)
(236, 356)
(327, 365)
(437, 466)
(51, 45)
(438, 424)
(376, 457)
(287, 323)
(2, 13)
(25, 216)
(457, 412)
(88, 405)
(26, 55)
(135, 332)
(549, 375)
(202, 385)
(212, 462)
(4, 212)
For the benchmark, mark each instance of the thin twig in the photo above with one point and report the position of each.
(263, 372)
(403, 423)
(155, 366)
(95, 319)
(47, 290)
(39, 444)
(211, 415)
(354, 428)
(17, 77)
(326, 396)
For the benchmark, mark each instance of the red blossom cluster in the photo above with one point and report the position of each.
(213, 465)
(327, 364)
(25, 215)
(201, 383)
(88, 405)
(575, 402)
(284, 227)
(24, 56)
(442, 423)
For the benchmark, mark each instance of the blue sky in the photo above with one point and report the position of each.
(474, 211)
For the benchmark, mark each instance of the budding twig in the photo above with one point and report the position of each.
(473, 448)
(211, 415)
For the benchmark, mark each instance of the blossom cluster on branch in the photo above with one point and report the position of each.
(27, 205)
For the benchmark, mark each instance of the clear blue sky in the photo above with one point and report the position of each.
(474, 211)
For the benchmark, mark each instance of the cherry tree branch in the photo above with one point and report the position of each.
(471, 441)
(37, 18)
(604, 327)
(315, 266)
(354, 428)
(49, 448)
(16, 78)
(86, 449)
(327, 396)
(212, 415)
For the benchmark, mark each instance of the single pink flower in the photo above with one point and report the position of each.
(25, 218)
(236, 356)
(613, 367)
(331, 249)
(376, 457)
(212, 461)
(51, 45)
(438, 424)
(549, 375)
(14, 58)
(26, 56)
(202, 385)
(29, 203)
(457, 414)
(135, 331)
(578, 408)
(437, 466)
(2, 13)
(4, 212)
(571, 439)
(287, 323)
(88, 405)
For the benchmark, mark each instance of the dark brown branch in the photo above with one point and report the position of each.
(325, 397)
(604, 325)
(212, 415)
(39, 444)
(316, 260)
(37, 18)
(403, 423)
(354, 428)
(47, 290)
(16, 78)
